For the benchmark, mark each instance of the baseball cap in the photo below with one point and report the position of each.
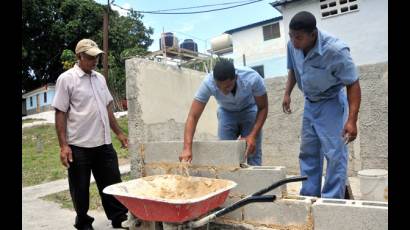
(88, 46)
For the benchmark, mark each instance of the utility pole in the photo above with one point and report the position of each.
(105, 41)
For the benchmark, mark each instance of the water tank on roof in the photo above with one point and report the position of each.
(189, 44)
(222, 42)
(168, 40)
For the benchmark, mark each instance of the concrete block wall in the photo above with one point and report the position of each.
(159, 97)
(287, 212)
(281, 132)
(214, 153)
(350, 214)
(283, 212)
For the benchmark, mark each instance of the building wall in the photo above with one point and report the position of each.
(365, 31)
(270, 53)
(43, 104)
(43, 108)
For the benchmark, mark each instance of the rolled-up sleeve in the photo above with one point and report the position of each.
(61, 99)
(344, 68)
(204, 93)
(258, 86)
(108, 96)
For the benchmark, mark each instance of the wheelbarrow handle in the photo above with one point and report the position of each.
(245, 201)
(279, 183)
(255, 197)
(230, 208)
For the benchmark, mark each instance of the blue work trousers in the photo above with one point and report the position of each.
(322, 127)
(231, 125)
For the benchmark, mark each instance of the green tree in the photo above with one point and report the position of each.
(67, 59)
(52, 26)
(49, 27)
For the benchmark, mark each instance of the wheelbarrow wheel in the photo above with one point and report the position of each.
(132, 222)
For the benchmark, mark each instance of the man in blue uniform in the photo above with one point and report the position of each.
(243, 108)
(322, 67)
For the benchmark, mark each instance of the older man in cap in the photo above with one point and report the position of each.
(84, 116)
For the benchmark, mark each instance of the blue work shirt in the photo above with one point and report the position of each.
(248, 85)
(326, 69)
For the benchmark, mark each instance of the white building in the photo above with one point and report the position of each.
(362, 24)
(260, 45)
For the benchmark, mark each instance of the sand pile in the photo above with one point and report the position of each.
(177, 187)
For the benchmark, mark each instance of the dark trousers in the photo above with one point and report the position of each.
(102, 161)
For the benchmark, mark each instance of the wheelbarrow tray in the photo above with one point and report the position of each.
(167, 210)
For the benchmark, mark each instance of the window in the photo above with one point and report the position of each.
(31, 101)
(45, 97)
(259, 69)
(336, 7)
(271, 31)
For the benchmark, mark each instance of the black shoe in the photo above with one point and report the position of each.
(117, 223)
(84, 223)
(86, 227)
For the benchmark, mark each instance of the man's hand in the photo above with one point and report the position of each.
(286, 104)
(350, 131)
(186, 156)
(250, 144)
(124, 140)
(66, 155)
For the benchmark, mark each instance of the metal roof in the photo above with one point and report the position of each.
(254, 25)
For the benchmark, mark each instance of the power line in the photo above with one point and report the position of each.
(194, 7)
(192, 12)
(189, 35)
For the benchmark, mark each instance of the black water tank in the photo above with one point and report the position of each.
(189, 44)
(170, 40)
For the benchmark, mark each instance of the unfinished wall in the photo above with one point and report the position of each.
(159, 97)
(281, 138)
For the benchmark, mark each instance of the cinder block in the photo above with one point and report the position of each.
(234, 215)
(202, 172)
(350, 214)
(205, 153)
(154, 170)
(283, 212)
(253, 179)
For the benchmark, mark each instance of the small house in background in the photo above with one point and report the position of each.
(38, 100)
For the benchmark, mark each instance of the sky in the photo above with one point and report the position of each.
(200, 27)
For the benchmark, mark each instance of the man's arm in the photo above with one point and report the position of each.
(290, 84)
(116, 128)
(262, 103)
(354, 98)
(195, 113)
(65, 150)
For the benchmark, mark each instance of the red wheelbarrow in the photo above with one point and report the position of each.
(185, 212)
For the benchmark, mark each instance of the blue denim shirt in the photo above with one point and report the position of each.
(325, 70)
(248, 84)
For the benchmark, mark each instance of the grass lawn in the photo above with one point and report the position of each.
(41, 153)
(64, 199)
(30, 120)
